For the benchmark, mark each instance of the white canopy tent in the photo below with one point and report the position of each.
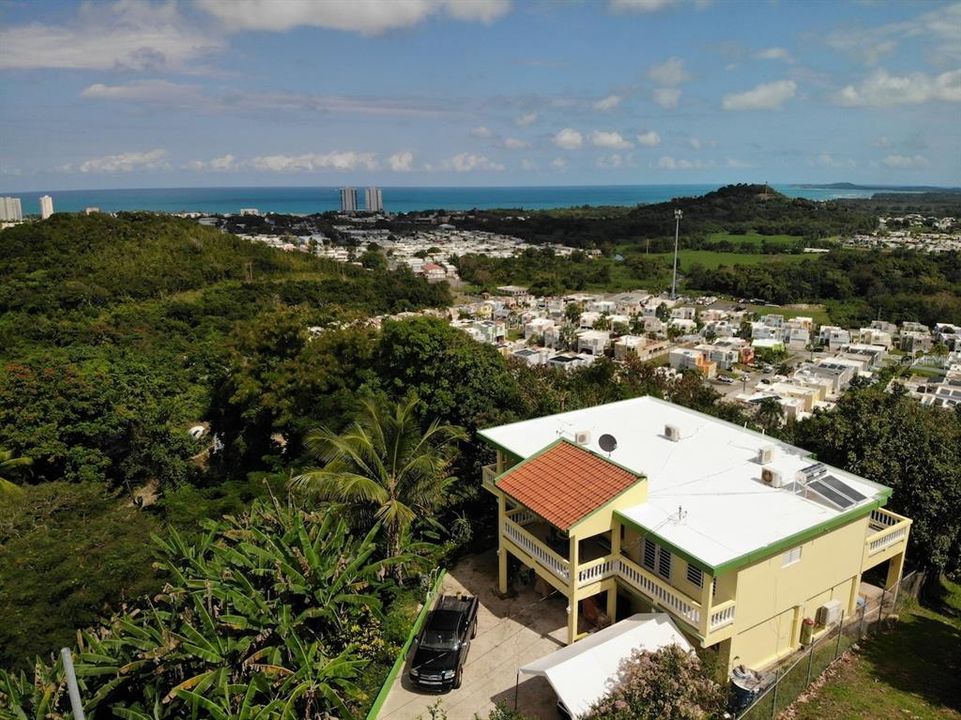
(582, 673)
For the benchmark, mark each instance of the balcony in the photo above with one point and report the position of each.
(488, 473)
(887, 536)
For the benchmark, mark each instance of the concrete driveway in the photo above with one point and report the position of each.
(510, 633)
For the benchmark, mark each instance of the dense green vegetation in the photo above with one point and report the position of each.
(293, 603)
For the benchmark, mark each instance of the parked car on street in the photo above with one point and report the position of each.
(441, 648)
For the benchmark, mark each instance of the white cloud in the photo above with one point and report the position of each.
(481, 132)
(766, 96)
(827, 160)
(774, 53)
(526, 119)
(514, 144)
(642, 6)
(906, 162)
(649, 138)
(401, 162)
(667, 98)
(735, 163)
(694, 142)
(559, 163)
(669, 73)
(527, 164)
(882, 142)
(607, 104)
(153, 91)
(225, 163)
(125, 35)
(613, 140)
(369, 17)
(882, 89)
(468, 162)
(667, 162)
(126, 162)
(569, 139)
(614, 161)
(345, 160)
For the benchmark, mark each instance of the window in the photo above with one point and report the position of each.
(650, 553)
(664, 563)
(791, 556)
(694, 575)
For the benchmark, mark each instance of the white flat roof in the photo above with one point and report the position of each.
(583, 673)
(711, 475)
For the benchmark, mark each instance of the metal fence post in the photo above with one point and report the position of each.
(837, 648)
(861, 622)
(777, 681)
(884, 595)
(810, 662)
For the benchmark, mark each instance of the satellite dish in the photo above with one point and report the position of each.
(607, 442)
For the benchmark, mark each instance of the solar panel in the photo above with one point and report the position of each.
(842, 488)
(830, 494)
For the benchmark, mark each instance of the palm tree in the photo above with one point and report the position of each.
(7, 463)
(383, 466)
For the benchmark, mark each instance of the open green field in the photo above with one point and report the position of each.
(713, 259)
(912, 671)
(756, 240)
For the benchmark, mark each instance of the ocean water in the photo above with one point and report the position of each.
(306, 200)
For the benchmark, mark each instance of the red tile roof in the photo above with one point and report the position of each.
(565, 483)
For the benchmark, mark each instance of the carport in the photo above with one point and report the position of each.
(582, 673)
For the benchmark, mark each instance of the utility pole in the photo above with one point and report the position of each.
(677, 229)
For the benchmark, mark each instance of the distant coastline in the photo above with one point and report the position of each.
(308, 200)
(880, 188)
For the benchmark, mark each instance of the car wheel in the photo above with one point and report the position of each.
(458, 678)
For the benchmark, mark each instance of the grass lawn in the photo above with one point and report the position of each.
(911, 671)
(816, 312)
(712, 259)
(755, 240)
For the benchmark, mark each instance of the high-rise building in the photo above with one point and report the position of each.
(10, 210)
(374, 199)
(348, 199)
(46, 207)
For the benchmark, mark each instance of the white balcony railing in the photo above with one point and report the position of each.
(597, 570)
(542, 554)
(488, 473)
(721, 615)
(665, 595)
(888, 529)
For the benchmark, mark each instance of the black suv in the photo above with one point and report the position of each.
(441, 648)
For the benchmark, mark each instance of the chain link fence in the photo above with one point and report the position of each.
(794, 676)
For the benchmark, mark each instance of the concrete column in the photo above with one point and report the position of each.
(574, 559)
(500, 462)
(501, 549)
(895, 569)
(796, 627)
(706, 601)
(855, 591)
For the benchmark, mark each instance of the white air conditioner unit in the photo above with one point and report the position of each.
(582, 437)
(672, 433)
(829, 613)
(770, 476)
(765, 456)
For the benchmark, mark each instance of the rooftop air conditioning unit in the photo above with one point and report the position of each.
(829, 613)
(765, 455)
(771, 477)
(672, 433)
(582, 437)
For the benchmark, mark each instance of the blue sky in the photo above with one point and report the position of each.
(477, 92)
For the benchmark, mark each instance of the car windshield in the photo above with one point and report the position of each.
(439, 640)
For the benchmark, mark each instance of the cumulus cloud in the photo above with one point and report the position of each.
(401, 162)
(607, 104)
(568, 139)
(559, 163)
(881, 89)
(368, 17)
(525, 119)
(649, 6)
(736, 164)
(766, 96)
(827, 160)
(648, 139)
(514, 143)
(614, 161)
(126, 162)
(667, 98)
(613, 140)
(225, 163)
(906, 162)
(468, 162)
(152, 91)
(125, 35)
(344, 160)
(481, 132)
(774, 53)
(669, 73)
(667, 162)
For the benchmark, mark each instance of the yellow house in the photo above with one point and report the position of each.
(642, 505)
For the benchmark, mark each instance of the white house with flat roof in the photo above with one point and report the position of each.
(643, 505)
